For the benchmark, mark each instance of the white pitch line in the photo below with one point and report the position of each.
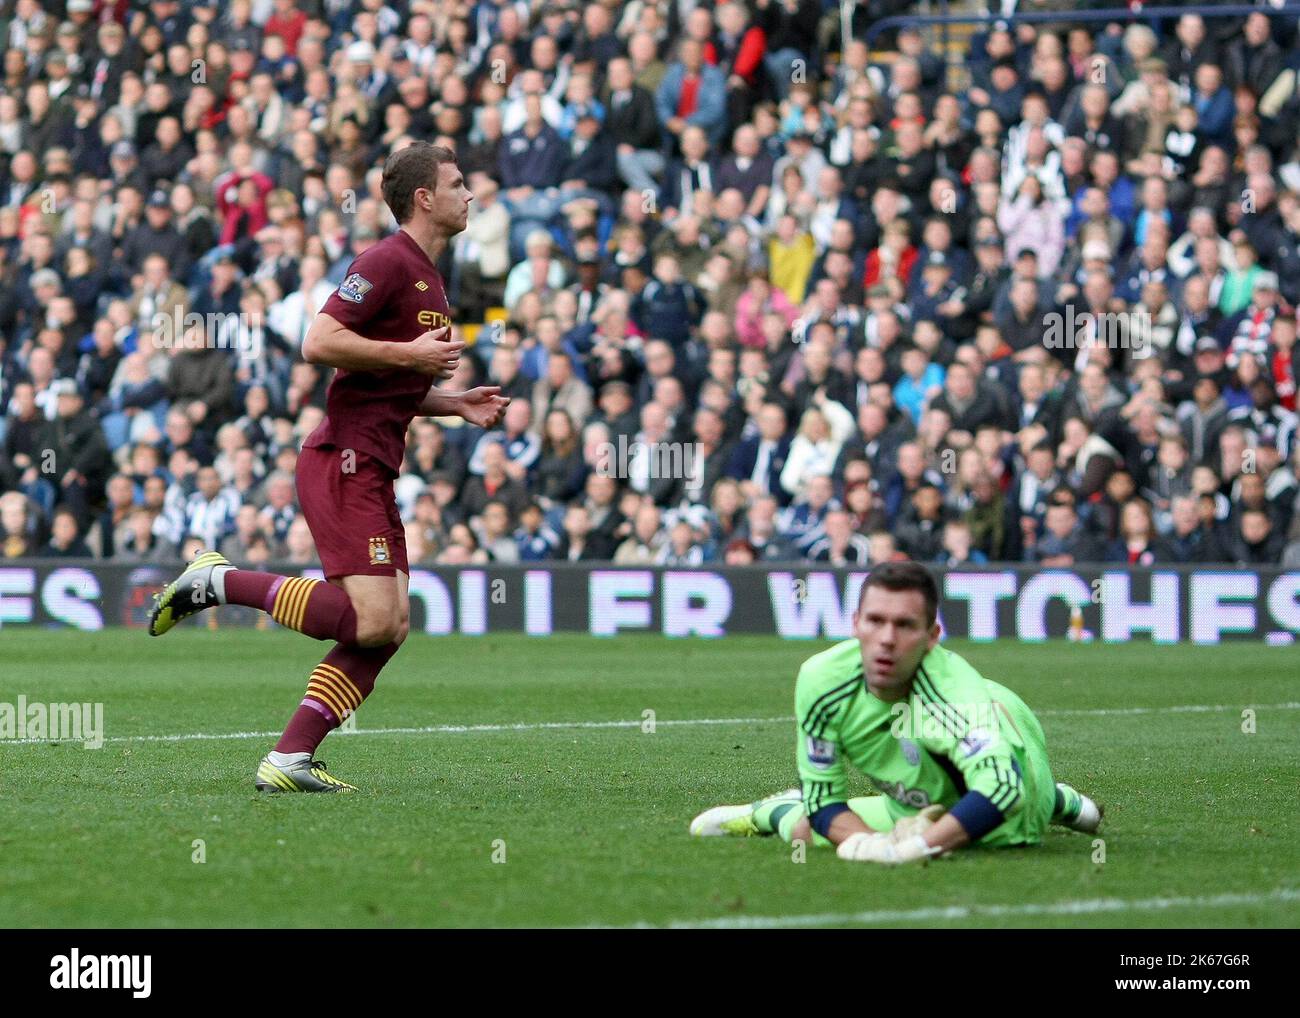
(540, 726)
(1191, 708)
(1092, 906)
(428, 730)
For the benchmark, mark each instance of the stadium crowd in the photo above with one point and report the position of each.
(758, 292)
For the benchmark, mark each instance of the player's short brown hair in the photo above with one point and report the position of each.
(410, 168)
(898, 576)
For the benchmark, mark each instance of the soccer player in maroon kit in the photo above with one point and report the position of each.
(387, 332)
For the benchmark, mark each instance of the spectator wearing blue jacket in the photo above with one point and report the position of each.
(692, 93)
(920, 378)
(530, 162)
(1215, 108)
(668, 307)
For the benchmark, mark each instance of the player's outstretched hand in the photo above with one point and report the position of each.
(436, 355)
(484, 405)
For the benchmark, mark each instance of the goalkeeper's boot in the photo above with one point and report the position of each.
(305, 775)
(738, 821)
(202, 585)
(1076, 811)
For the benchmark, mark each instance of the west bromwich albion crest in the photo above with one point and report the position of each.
(355, 288)
(379, 551)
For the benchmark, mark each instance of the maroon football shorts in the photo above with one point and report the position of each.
(352, 513)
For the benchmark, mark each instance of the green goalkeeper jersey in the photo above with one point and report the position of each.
(956, 732)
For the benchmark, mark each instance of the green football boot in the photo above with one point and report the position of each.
(301, 776)
(202, 585)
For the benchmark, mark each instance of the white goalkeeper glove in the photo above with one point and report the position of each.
(918, 823)
(884, 849)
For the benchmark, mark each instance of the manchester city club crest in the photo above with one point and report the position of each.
(379, 551)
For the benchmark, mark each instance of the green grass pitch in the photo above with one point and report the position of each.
(591, 819)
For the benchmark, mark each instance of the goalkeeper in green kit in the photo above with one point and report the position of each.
(957, 759)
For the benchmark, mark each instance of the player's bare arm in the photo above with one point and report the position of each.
(483, 406)
(844, 826)
(330, 343)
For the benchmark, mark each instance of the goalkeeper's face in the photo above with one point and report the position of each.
(894, 634)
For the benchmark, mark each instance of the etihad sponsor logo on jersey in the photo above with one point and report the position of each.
(821, 754)
(355, 288)
(899, 792)
(432, 319)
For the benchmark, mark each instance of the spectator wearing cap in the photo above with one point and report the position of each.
(80, 453)
(962, 313)
(220, 295)
(937, 287)
(157, 235)
(590, 168)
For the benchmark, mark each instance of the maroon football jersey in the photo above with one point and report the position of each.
(392, 293)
